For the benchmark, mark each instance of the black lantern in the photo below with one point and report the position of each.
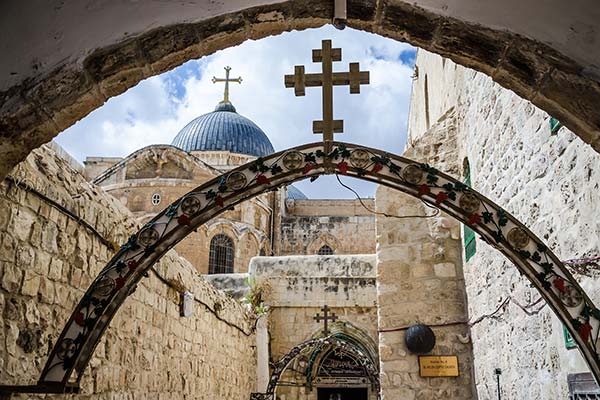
(419, 339)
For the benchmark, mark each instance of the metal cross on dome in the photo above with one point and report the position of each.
(327, 79)
(326, 317)
(226, 80)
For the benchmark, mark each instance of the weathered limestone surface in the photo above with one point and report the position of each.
(550, 182)
(48, 259)
(420, 281)
(343, 225)
(311, 281)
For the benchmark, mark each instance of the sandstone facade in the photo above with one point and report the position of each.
(151, 178)
(420, 281)
(346, 226)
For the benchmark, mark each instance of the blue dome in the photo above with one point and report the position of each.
(224, 129)
(294, 193)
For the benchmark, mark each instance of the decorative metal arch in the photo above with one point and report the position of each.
(334, 341)
(119, 278)
(318, 355)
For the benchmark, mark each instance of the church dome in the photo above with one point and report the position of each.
(224, 129)
(293, 193)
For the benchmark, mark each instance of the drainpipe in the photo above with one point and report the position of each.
(498, 371)
(273, 204)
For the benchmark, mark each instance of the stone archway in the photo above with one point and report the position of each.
(119, 278)
(53, 93)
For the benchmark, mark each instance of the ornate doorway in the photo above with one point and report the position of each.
(341, 377)
(342, 394)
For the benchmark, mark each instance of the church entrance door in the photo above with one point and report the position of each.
(342, 394)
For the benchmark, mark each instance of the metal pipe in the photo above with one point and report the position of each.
(498, 371)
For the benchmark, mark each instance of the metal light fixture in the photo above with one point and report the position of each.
(419, 339)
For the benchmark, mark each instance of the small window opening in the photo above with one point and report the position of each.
(325, 251)
(156, 199)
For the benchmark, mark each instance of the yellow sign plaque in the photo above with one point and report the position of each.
(437, 366)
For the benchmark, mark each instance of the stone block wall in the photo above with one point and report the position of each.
(420, 281)
(344, 225)
(47, 261)
(548, 181)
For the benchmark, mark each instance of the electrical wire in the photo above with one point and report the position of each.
(435, 214)
(62, 209)
(209, 308)
(493, 315)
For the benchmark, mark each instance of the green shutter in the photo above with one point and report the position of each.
(468, 233)
(569, 341)
(555, 125)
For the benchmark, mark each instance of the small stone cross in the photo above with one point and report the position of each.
(226, 80)
(326, 317)
(327, 79)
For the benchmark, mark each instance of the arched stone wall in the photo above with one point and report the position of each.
(33, 111)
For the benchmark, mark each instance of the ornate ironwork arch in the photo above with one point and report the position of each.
(335, 341)
(118, 279)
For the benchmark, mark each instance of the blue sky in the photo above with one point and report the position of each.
(157, 108)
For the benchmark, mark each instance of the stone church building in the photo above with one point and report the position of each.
(364, 299)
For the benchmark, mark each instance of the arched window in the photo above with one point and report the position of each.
(325, 251)
(220, 258)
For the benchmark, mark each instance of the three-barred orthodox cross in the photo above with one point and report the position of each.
(327, 79)
(326, 317)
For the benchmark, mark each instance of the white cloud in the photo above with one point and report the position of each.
(156, 109)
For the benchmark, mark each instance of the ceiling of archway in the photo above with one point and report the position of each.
(41, 34)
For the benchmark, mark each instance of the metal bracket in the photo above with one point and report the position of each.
(340, 15)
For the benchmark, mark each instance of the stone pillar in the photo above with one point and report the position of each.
(262, 353)
(420, 280)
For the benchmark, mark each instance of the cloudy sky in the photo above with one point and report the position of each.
(157, 108)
